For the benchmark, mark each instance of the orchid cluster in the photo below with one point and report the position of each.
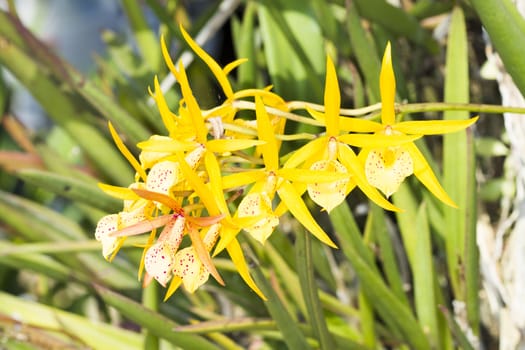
(215, 174)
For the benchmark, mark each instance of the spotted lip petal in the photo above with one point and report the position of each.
(258, 204)
(105, 227)
(158, 261)
(328, 195)
(388, 174)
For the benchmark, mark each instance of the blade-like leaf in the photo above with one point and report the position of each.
(153, 322)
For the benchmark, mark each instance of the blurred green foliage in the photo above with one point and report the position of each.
(395, 279)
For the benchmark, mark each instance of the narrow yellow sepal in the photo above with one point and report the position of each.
(126, 153)
(376, 140)
(175, 283)
(424, 173)
(310, 176)
(332, 99)
(359, 125)
(230, 145)
(387, 86)
(312, 150)
(168, 117)
(217, 71)
(265, 130)
(166, 145)
(298, 209)
(243, 178)
(433, 127)
(123, 193)
(237, 256)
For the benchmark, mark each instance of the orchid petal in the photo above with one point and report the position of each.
(168, 117)
(298, 209)
(199, 187)
(433, 127)
(126, 153)
(230, 145)
(376, 140)
(217, 71)
(265, 130)
(228, 234)
(142, 226)
(269, 98)
(148, 158)
(237, 256)
(424, 173)
(310, 176)
(329, 194)
(319, 116)
(388, 174)
(359, 125)
(215, 181)
(188, 267)
(387, 86)
(203, 254)
(243, 178)
(193, 107)
(160, 198)
(258, 204)
(175, 283)
(123, 193)
(158, 261)
(105, 227)
(312, 149)
(232, 65)
(166, 145)
(167, 57)
(348, 158)
(332, 99)
(163, 176)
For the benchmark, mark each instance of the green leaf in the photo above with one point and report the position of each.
(506, 28)
(396, 21)
(289, 28)
(66, 110)
(364, 51)
(72, 188)
(459, 177)
(293, 337)
(154, 322)
(393, 311)
(95, 335)
(424, 279)
(310, 291)
(147, 42)
(382, 236)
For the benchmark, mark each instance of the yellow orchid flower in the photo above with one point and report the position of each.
(273, 179)
(387, 166)
(331, 152)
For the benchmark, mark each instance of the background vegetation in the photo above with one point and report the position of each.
(430, 277)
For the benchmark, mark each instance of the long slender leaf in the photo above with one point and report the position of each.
(424, 278)
(506, 29)
(293, 336)
(95, 335)
(459, 176)
(153, 322)
(309, 289)
(71, 188)
(396, 314)
(63, 108)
